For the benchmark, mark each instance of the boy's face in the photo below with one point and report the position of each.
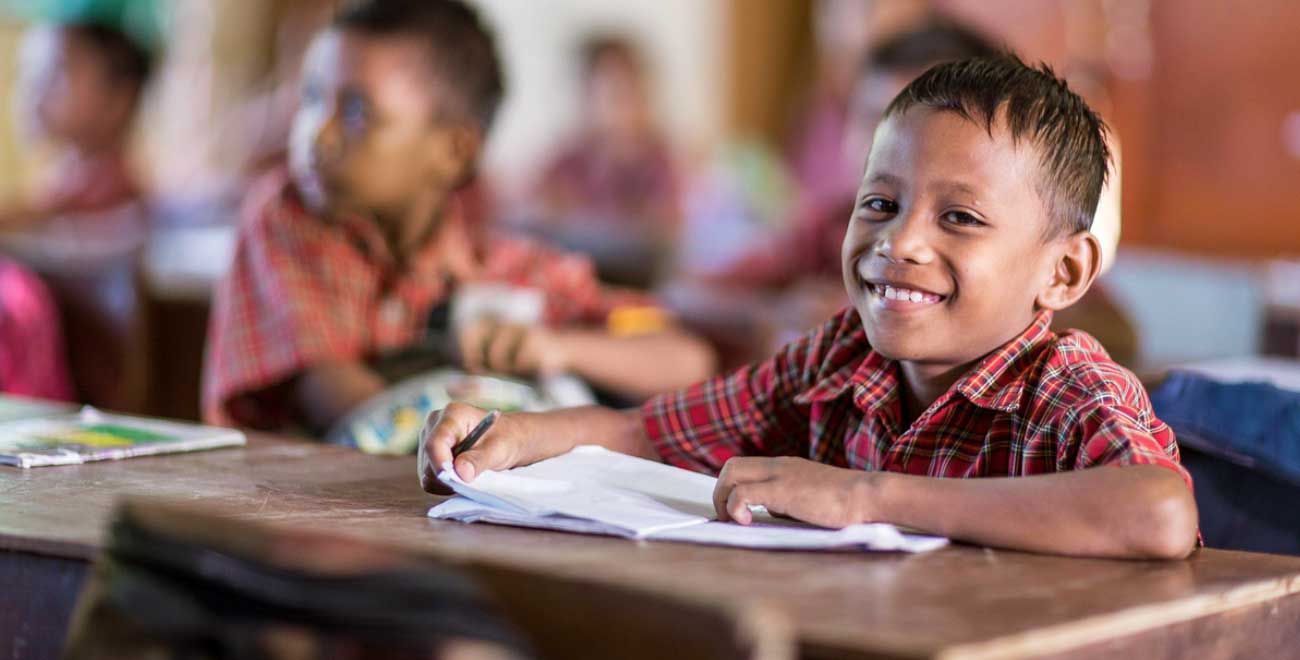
(945, 256)
(367, 136)
(616, 99)
(68, 92)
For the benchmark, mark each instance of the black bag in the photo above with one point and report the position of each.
(156, 595)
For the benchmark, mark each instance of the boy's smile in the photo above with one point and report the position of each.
(948, 249)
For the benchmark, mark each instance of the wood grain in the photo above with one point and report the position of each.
(957, 602)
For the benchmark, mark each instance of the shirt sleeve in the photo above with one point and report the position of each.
(749, 412)
(279, 310)
(1115, 434)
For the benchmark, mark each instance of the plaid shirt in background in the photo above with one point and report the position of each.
(1042, 403)
(303, 290)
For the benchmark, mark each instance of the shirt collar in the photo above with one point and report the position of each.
(996, 382)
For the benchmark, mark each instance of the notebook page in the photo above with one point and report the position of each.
(596, 491)
(580, 484)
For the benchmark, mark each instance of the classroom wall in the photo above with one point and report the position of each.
(11, 162)
(683, 42)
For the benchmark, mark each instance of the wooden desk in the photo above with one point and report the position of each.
(960, 602)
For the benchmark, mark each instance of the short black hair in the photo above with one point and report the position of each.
(932, 42)
(123, 58)
(463, 51)
(1036, 105)
(601, 46)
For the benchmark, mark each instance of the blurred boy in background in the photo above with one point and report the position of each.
(348, 256)
(611, 189)
(80, 87)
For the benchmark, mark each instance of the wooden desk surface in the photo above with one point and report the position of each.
(959, 602)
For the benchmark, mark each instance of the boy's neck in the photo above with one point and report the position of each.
(407, 230)
(923, 384)
(98, 148)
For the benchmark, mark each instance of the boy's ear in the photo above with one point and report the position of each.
(464, 141)
(1077, 265)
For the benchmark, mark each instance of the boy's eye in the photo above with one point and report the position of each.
(353, 113)
(962, 218)
(880, 205)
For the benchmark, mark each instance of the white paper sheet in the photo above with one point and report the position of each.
(592, 490)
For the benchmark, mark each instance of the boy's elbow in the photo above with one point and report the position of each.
(1170, 532)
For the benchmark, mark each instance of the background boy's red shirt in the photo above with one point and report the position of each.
(303, 290)
(32, 361)
(1042, 403)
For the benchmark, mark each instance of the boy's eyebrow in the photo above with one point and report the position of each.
(945, 185)
(949, 185)
(887, 179)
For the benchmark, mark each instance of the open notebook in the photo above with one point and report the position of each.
(595, 491)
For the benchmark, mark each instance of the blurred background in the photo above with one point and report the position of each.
(703, 149)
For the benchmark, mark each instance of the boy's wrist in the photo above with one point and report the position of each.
(557, 351)
(871, 497)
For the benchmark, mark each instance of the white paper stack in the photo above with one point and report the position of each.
(592, 490)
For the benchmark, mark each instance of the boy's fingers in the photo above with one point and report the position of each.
(471, 338)
(503, 348)
(744, 496)
(441, 433)
(486, 455)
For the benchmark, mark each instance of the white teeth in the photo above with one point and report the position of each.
(907, 295)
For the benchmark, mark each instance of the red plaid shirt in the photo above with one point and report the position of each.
(1042, 403)
(303, 290)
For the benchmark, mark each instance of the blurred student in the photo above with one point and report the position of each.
(805, 260)
(611, 190)
(32, 361)
(81, 87)
(347, 256)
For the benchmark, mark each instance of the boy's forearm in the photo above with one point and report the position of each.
(555, 432)
(1134, 511)
(326, 392)
(638, 366)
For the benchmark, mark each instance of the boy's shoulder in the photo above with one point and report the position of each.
(273, 205)
(1072, 374)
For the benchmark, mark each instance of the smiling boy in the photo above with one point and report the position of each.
(942, 400)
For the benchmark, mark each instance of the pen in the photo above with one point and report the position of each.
(477, 432)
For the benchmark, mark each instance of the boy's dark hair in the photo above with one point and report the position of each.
(123, 58)
(463, 51)
(1035, 105)
(934, 41)
(602, 46)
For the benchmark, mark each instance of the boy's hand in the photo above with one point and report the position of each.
(525, 350)
(796, 487)
(501, 448)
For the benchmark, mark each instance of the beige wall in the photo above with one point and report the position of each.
(11, 164)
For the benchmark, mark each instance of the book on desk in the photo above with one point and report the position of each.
(92, 435)
(592, 490)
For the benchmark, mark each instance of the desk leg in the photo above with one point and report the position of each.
(37, 595)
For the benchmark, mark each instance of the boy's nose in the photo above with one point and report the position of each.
(904, 240)
(327, 143)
